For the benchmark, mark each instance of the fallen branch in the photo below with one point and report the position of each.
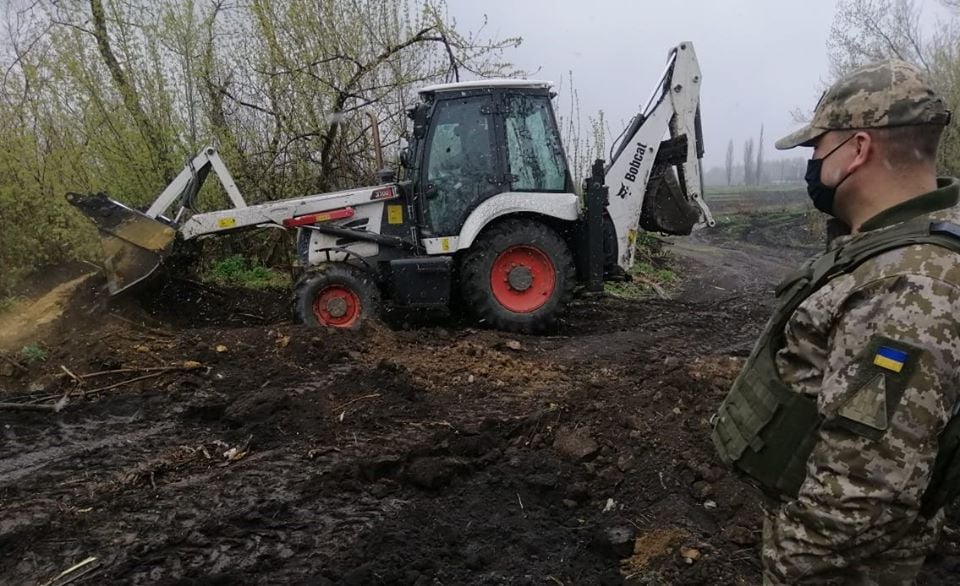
(140, 338)
(250, 315)
(72, 573)
(189, 365)
(14, 363)
(63, 400)
(156, 371)
(28, 407)
(143, 327)
(71, 375)
(352, 401)
(121, 383)
(653, 285)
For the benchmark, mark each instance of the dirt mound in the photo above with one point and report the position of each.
(28, 319)
(185, 303)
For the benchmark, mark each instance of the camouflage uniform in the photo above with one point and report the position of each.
(856, 519)
(856, 516)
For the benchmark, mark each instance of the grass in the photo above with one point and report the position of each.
(647, 280)
(236, 270)
(714, 190)
(650, 273)
(33, 352)
(735, 221)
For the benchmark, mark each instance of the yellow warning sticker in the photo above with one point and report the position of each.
(227, 222)
(445, 244)
(394, 214)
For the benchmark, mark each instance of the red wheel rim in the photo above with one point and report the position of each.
(337, 306)
(523, 278)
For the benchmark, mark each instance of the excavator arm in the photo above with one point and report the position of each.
(654, 176)
(136, 242)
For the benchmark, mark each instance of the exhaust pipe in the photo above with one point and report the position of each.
(133, 244)
(384, 175)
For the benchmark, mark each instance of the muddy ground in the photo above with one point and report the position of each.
(206, 440)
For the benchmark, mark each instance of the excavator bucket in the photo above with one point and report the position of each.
(666, 208)
(134, 245)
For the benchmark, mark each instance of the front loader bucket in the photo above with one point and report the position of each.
(134, 245)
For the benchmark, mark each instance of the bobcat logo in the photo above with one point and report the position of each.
(622, 194)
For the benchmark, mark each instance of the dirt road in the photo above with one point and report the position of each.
(238, 448)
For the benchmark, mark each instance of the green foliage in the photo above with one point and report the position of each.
(650, 273)
(238, 271)
(650, 250)
(114, 95)
(661, 275)
(33, 352)
(626, 290)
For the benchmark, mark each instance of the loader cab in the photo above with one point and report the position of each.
(475, 140)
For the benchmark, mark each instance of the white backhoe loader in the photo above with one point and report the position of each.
(485, 211)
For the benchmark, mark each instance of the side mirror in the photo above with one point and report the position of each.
(406, 158)
(420, 121)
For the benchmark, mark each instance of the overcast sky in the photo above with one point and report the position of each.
(761, 59)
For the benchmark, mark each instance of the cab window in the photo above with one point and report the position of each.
(534, 152)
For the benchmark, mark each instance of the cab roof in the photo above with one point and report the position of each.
(500, 83)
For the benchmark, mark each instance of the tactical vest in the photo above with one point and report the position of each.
(765, 429)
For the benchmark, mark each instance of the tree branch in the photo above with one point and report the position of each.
(223, 90)
(128, 92)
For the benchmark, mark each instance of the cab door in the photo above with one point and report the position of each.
(461, 168)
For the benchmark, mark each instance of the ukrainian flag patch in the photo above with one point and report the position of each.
(890, 358)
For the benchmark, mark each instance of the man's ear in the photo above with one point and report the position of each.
(866, 149)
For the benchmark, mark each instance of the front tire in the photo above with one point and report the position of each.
(518, 276)
(336, 295)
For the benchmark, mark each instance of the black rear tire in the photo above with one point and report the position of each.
(534, 309)
(337, 295)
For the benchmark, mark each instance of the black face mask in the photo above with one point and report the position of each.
(822, 195)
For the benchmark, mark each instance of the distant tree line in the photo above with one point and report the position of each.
(775, 172)
(752, 171)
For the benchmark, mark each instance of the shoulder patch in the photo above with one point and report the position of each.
(868, 405)
(876, 379)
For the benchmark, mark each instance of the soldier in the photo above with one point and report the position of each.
(845, 414)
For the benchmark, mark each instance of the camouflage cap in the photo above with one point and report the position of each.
(888, 93)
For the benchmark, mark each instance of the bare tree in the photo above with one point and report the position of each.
(748, 162)
(864, 31)
(730, 162)
(869, 30)
(758, 170)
